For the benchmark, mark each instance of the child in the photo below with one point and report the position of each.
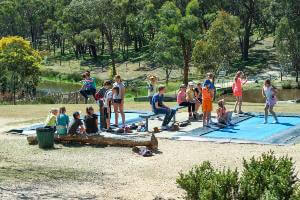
(107, 101)
(89, 86)
(207, 97)
(224, 117)
(269, 93)
(190, 98)
(151, 87)
(76, 126)
(118, 100)
(62, 122)
(91, 121)
(159, 107)
(237, 89)
(198, 96)
(51, 119)
(182, 100)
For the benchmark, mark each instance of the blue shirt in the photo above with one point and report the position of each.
(62, 120)
(157, 98)
(208, 82)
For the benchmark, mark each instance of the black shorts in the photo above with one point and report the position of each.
(118, 101)
(107, 115)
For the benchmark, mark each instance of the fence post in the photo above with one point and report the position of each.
(76, 97)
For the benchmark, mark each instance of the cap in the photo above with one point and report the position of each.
(191, 83)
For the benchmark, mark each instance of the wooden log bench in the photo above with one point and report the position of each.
(152, 114)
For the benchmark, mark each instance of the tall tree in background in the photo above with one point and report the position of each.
(220, 45)
(288, 34)
(20, 62)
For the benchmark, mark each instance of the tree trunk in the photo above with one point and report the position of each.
(110, 41)
(186, 50)
(123, 141)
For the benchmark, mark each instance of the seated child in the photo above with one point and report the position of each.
(51, 119)
(107, 104)
(62, 122)
(76, 126)
(224, 117)
(91, 121)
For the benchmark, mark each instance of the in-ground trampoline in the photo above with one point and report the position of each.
(130, 116)
(251, 129)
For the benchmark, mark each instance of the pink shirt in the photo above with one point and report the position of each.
(237, 86)
(181, 97)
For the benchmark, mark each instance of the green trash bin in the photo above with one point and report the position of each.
(45, 137)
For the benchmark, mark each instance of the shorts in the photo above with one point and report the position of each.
(207, 106)
(117, 101)
(107, 115)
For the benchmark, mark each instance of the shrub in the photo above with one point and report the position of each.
(203, 182)
(286, 85)
(264, 178)
(267, 175)
(46, 100)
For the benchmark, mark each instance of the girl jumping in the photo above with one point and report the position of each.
(269, 93)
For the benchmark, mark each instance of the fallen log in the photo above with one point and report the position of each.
(150, 142)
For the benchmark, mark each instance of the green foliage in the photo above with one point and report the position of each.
(204, 182)
(266, 177)
(286, 85)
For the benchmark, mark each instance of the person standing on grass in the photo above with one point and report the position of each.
(237, 89)
(89, 86)
(159, 107)
(198, 96)
(152, 88)
(269, 93)
(118, 101)
(182, 99)
(91, 121)
(62, 122)
(207, 98)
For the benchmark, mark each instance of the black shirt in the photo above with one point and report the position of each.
(74, 125)
(90, 123)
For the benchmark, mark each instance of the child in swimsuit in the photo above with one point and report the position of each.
(269, 92)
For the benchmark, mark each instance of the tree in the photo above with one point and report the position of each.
(20, 62)
(220, 45)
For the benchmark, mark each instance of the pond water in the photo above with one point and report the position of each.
(255, 96)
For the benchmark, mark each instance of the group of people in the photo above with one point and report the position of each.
(192, 96)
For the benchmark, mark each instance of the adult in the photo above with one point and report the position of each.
(118, 101)
(237, 88)
(152, 88)
(89, 86)
(159, 107)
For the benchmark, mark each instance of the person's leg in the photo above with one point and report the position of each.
(150, 100)
(186, 104)
(83, 93)
(236, 104)
(163, 111)
(116, 111)
(228, 117)
(121, 109)
(240, 104)
(273, 113)
(266, 113)
(204, 118)
(93, 92)
(171, 114)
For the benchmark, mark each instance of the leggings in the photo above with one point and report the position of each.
(191, 106)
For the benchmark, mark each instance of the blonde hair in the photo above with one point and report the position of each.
(118, 77)
(238, 75)
(53, 110)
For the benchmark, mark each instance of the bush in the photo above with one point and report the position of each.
(287, 85)
(46, 100)
(203, 182)
(264, 178)
(268, 175)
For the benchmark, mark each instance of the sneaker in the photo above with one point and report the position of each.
(265, 122)
(275, 122)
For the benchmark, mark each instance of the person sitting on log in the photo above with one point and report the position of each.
(89, 86)
(91, 121)
(76, 126)
(159, 107)
(62, 122)
(51, 119)
(182, 100)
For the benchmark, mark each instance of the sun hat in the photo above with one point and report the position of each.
(191, 83)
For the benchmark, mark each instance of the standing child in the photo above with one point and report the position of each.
(107, 102)
(91, 121)
(62, 122)
(237, 89)
(182, 100)
(223, 116)
(198, 95)
(76, 126)
(207, 97)
(89, 86)
(118, 100)
(51, 119)
(269, 92)
(152, 88)
(190, 98)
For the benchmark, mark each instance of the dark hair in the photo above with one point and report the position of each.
(62, 110)
(75, 114)
(118, 77)
(88, 73)
(160, 88)
(89, 109)
(117, 89)
(107, 83)
(268, 81)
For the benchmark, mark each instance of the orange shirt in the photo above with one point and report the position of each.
(206, 94)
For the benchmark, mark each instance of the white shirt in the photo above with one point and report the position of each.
(268, 92)
(107, 97)
(121, 86)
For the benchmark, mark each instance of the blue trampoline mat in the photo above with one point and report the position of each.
(254, 129)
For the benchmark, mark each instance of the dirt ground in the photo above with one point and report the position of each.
(94, 172)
